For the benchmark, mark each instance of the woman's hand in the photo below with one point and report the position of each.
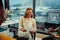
(23, 29)
(32, 32)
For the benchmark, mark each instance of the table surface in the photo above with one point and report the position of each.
(3, 29)
(9, 22)
(6, 23)
(5, 37)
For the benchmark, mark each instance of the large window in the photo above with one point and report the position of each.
(47, 13)
(18, 7)
(3, 4)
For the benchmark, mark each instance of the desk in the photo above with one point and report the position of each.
(3, 29)
(5, 37)
(10, 22)
(7, 23)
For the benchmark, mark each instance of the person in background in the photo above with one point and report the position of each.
(1, 13)
(54, 34)
(27, 22)
(2, 19)
(57, 34)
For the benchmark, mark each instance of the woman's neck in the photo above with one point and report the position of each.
(28, 17)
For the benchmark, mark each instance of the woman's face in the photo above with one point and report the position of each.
(29, 13)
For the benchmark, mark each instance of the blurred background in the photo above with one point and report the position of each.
(46, 12)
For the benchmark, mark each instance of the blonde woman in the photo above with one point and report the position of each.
(27, 22)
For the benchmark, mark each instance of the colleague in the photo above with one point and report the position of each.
(49, 31)
(54, 34)
(57, 36)
(27, 22)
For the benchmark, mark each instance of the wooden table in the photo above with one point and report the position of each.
(5, 37)
(6, 23)
(9, 22)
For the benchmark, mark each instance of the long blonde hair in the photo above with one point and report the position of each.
(26, 12)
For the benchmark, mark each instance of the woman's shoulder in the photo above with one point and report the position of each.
(33, 19)
(21, 17)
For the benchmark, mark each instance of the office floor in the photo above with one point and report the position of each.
(40, 36)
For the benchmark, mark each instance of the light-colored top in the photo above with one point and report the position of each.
(28, 23)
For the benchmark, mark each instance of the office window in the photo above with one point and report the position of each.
(45, 9)
(18, 7)
(47, 13)
(3, 4)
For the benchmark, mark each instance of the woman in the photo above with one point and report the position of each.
(27, 22)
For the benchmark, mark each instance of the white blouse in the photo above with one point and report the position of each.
(28, 23)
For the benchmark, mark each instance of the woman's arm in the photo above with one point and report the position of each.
(21, 25)
(34, 25)
(57, 36)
